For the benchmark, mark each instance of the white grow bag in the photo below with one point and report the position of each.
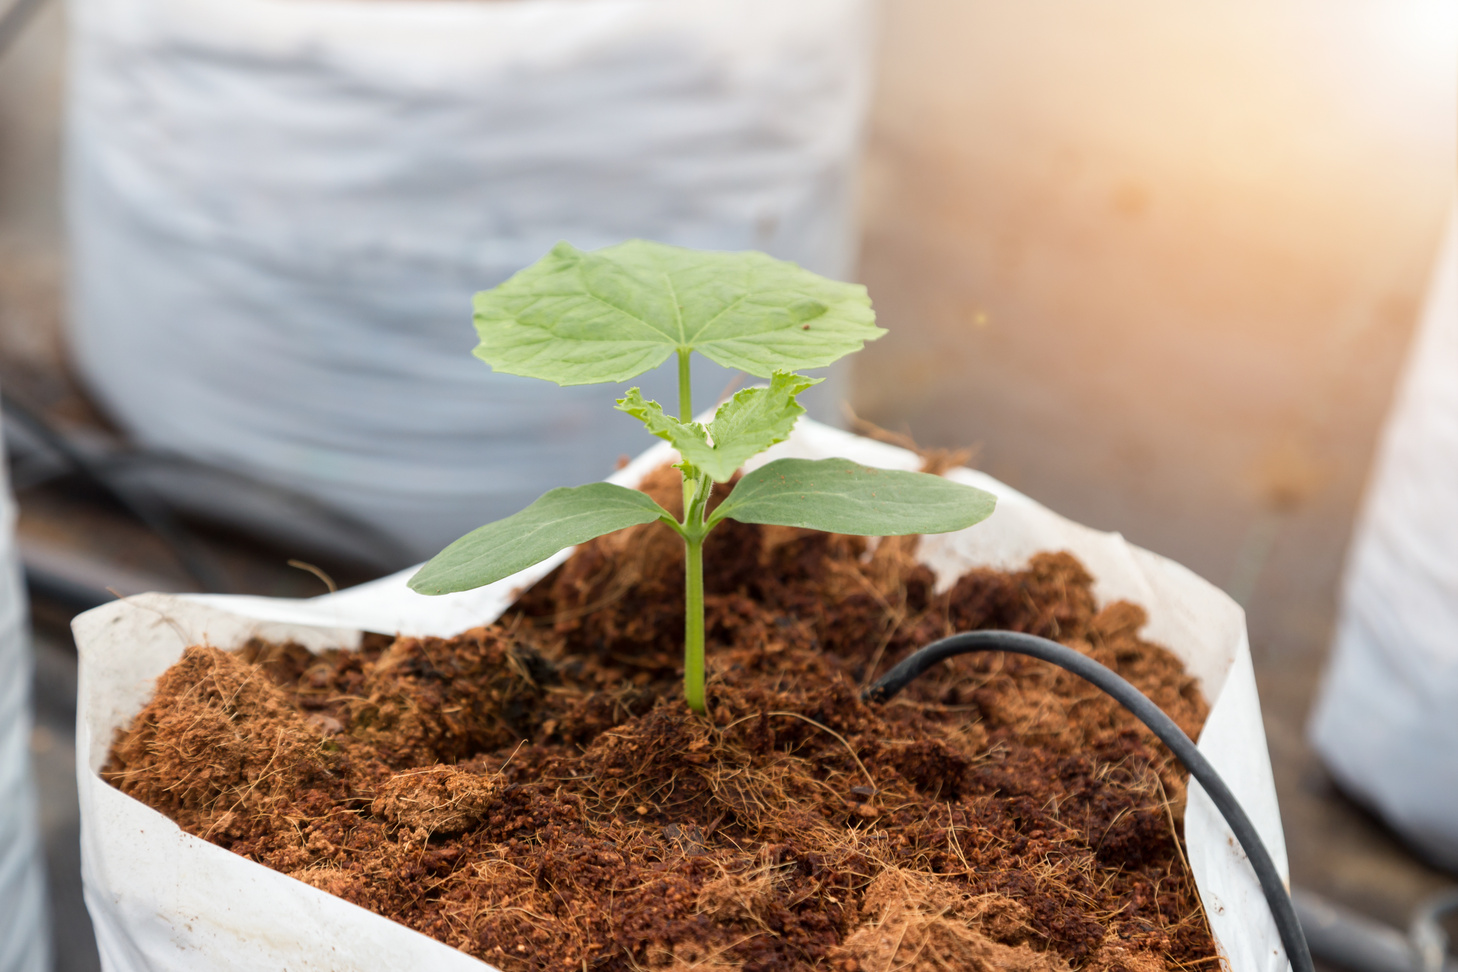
(1386, 719)
(24, 928)
(162, 899)
(279, 209)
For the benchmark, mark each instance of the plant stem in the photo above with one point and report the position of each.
(693, 624)
(686, 414)
(685, 392)
(693, 522)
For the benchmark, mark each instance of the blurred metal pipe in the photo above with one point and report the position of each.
(78, 580)
(13, 21)
(1346, 938)
(145, 507)
(40, 452)
(1428, 937)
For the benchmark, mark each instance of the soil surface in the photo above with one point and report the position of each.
(536, 793)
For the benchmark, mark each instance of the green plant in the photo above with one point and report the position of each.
(610, 315)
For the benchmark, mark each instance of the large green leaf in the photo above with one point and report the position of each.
(845, 497)
(742, 428)
(560, 518)
(578, 317)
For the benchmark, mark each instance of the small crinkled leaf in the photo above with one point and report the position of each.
(560, 518)
(841, 496)
(751, 422)
(659, 422)
(686, 437)
(743, 427)
(578, 317)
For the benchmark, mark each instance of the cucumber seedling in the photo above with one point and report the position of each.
(609, 315)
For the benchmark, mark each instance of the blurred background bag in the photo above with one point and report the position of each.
(1386, 719)
(24, 927)
(279, 211)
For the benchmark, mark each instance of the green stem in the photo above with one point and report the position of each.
(693, 522)
(693, 624)
(685, 414)
(685, 392)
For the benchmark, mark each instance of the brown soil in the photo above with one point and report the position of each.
(536, 793)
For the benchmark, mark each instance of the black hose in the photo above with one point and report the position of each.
(1152, 716)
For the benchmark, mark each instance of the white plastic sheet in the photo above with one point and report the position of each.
(24, 930)
(279, 210)
(162, 899)
(1386, 718)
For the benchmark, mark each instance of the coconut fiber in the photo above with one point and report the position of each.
(536, 793)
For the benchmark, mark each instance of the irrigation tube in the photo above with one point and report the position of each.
(1152, 716)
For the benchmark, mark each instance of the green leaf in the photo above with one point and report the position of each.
(743, 427)
(578, 317)
(660, 423)
(841, 496)
(560, 518)
(751, 422)
(683, 435)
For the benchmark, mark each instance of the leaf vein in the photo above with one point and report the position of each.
(621, 310)
(677, 308)
(710, 322)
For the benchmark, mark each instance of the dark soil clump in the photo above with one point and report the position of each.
(536, 793)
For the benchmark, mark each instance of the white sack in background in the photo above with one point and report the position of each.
(1386, 718)
(279, 210)
(24, 925)
(162, 899)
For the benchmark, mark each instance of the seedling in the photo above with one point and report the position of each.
(579, 318)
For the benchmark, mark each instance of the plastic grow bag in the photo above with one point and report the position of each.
(24, 930)
(279, 209)
(163, 899)
(1386, 717)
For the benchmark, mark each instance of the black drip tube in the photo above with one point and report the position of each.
(1152, 716)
